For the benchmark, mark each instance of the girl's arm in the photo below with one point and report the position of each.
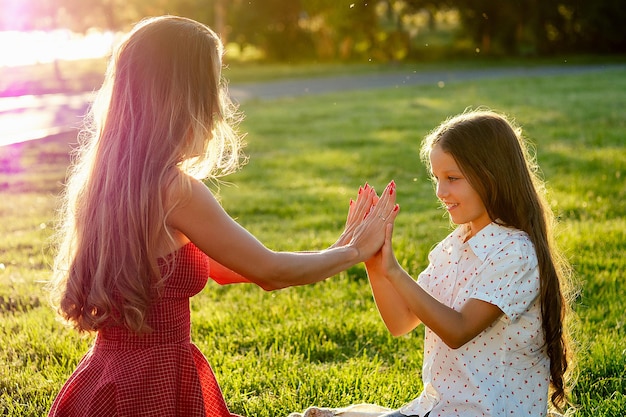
(211, 229)
(454, 327)
(394, 311)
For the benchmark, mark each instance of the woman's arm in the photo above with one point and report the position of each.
(224, 276)
(211, 229)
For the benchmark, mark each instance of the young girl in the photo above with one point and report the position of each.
(140, 233)
(493, 297)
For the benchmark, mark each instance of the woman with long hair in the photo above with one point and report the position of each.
(140, 233)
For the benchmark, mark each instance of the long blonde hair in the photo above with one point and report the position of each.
(492, 152)
(162, 109)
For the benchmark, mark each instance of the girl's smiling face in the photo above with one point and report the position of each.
(455, 192)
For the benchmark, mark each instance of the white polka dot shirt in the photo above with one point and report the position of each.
(504, 371)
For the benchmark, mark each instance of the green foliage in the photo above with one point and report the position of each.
(325, 344)
(357, 30)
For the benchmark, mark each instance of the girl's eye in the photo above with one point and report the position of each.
(452, 179)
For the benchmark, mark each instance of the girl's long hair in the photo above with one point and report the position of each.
(162, 110)
(492, 153)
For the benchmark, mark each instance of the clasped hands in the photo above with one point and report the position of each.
(369, 218)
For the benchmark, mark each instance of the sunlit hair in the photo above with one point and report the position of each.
(493, 155)
(162, 110)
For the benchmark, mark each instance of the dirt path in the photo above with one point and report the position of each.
(310, 86)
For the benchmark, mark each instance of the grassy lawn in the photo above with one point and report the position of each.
(325, 344)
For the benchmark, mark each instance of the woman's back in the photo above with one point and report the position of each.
(160, 373)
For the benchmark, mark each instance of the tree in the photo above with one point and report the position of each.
(287, 30)
(596, 26)
(271, 25)
(517, 27)
(343, 29)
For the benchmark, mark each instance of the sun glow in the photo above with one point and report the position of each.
(29, 117)
(28, 48)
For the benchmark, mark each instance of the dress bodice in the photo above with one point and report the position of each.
(186, 273)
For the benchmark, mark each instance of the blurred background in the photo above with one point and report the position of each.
(325, 30)
(58, 48)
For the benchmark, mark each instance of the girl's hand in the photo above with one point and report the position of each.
(357, 211)
(391, 303)
(384, 261)
(387, 260)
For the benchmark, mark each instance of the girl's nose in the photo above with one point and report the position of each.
(442, 191)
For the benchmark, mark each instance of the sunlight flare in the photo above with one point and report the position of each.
(28, 48)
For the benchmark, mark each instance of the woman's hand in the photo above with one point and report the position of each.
(357, 211)
(369, 234)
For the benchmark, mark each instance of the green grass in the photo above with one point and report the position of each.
(324, 344)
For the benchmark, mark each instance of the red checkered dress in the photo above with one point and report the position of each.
(159, 374)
